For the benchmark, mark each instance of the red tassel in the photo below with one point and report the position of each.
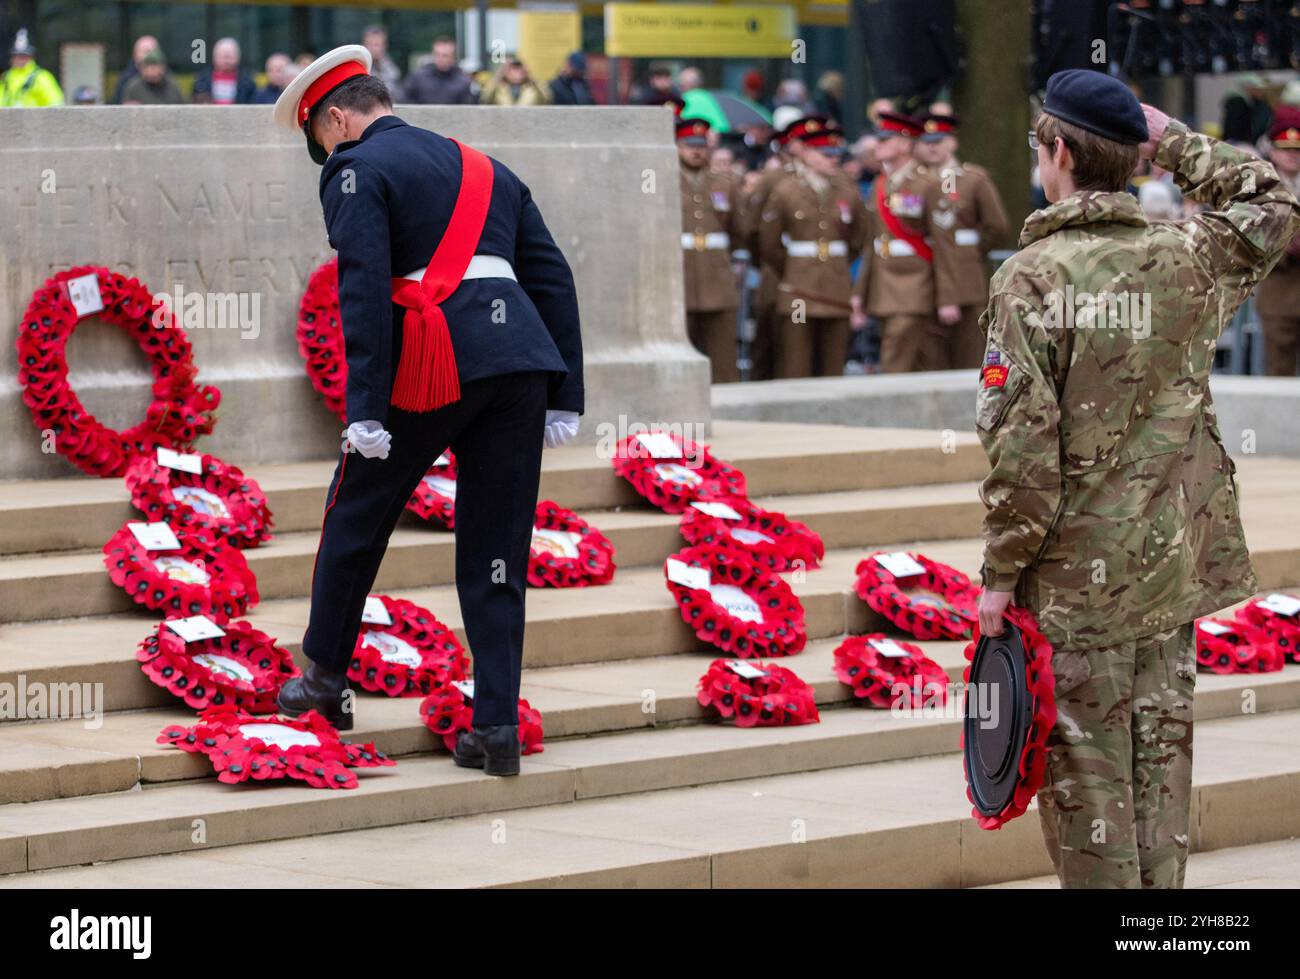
(427, 377)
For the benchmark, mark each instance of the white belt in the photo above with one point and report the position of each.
(895, 247)
(967, 236)
(816, 249)
(713, 241)
(480, 267)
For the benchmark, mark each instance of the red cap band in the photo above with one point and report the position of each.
(327, 82)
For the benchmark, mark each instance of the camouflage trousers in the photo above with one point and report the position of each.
(1115, 802)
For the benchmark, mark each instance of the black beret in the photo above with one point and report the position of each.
(1098, 103)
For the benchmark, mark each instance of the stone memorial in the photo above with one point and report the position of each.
(218, 207)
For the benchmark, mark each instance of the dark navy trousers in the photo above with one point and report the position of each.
(495, 430)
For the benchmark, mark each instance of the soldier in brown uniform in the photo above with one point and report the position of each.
(780, 166)
(968, 221)
(711, 215)
(896, 282)
(1277, 299)
(812, 228)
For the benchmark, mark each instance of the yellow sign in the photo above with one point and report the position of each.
(548, 35)
(697, 30)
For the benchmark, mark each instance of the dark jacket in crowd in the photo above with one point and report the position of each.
(129, 72)
(268, 94)
(245, 87)
(429, 86)
(137, 90)
(571, 90)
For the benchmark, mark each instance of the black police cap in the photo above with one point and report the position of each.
(1097, 103)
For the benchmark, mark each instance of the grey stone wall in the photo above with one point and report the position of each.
(1257, 415)
(220, 200)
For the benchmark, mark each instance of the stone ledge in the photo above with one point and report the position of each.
(1256, 414)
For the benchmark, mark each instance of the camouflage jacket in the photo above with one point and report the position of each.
(1112, 505)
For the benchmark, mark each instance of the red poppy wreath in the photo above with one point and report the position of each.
(1228, 646)
(204, 576)
(734, 603)
(243, 667)
(247, 747)
(671, 471)
(320, 338)
(1041, 684)
(757, 694)
(411, 655)
(221, 499)
(924, 598)
(771, 538)
(1278, 616)
(434, 499)
(566, 551)
(450, 710)
(181, 410)
(887, 673)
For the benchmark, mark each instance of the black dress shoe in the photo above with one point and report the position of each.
(494, 749)
(320, 690)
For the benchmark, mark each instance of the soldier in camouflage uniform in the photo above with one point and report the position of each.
(1112, 508)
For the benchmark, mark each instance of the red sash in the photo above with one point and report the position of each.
(896, 227)
(427, 376)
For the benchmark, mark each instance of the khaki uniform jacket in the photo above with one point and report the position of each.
(891, 283)
(795, 212)
(765, 296)
(1111, 504)
(711, 206)
(968, 222)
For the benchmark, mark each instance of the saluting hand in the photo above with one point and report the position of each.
(1157, 121)
(993, 604)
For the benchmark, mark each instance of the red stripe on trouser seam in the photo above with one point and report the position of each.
(328, 506)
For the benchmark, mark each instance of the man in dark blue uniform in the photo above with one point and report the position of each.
(483, 356)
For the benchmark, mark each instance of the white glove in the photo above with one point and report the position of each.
(560, 427)
(369, 438)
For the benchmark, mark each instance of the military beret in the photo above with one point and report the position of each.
(1284, 134)
(1097, 103)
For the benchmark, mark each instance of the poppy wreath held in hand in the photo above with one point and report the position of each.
(247, 747)
(411, 657)
(220, 498)
(181, 410)
(671, 483)
(745, 610)
(320, 338)
(204, 577)
(1041, 684)
(885, 672)
(434, 499)
(938, 602)
(1228, 646)
(244, 667)
(1281, 627)
(757, 694)
(771, 538)
(449, 710)
(566, 551)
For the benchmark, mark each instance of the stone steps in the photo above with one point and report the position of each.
(1263, 865)
(804, 806)
(82, 513)
(62, 759)
(34, 587)
(72, 794)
